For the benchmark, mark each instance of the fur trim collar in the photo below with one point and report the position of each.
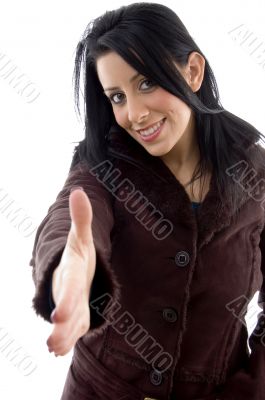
(154, 179)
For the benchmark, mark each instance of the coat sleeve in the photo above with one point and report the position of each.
(51, 237)
(249, 383)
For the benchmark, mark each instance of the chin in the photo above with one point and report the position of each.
(156, 152)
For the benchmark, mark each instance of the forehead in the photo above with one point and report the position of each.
(113, 70)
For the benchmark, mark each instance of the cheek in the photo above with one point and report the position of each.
(180, 111)
(171, 104)
(119, 117)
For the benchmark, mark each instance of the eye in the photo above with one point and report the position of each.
(148, 80)
(120, 95)
(111, 98)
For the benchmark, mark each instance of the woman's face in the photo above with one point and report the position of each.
(138, 104)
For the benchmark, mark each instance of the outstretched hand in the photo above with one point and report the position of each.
(73, 277)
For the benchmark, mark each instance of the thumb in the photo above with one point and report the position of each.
(81, 215)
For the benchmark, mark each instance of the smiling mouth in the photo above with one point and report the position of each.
(152, 129)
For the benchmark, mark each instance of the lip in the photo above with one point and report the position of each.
(150, 126)
(154, 135)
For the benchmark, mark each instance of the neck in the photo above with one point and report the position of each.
(184, 156)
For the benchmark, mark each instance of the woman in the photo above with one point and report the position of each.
(167, 236)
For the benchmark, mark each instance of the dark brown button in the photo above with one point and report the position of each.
(156, 377)
(170, 315)
(182, 258)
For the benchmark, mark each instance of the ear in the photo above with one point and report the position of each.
(193, 71)
(195, 67)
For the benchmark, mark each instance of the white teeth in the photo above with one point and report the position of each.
(150, 131)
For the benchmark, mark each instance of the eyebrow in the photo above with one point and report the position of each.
(131, 80)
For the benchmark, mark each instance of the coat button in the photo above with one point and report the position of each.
(182, 258)
(155, 377)
(152, 398)
(170, 315)
(149, 398)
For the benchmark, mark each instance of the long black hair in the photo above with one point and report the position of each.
(157, 35)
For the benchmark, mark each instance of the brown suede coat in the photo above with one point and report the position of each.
(171, 288)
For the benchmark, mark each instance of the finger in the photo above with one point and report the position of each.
(81, 216)
(63, 347)
(62, 330)
(65, 335)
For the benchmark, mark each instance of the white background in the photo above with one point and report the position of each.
(37, 141)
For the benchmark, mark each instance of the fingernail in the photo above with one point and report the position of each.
(76, 187)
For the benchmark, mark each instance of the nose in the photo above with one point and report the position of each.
(136, 110)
